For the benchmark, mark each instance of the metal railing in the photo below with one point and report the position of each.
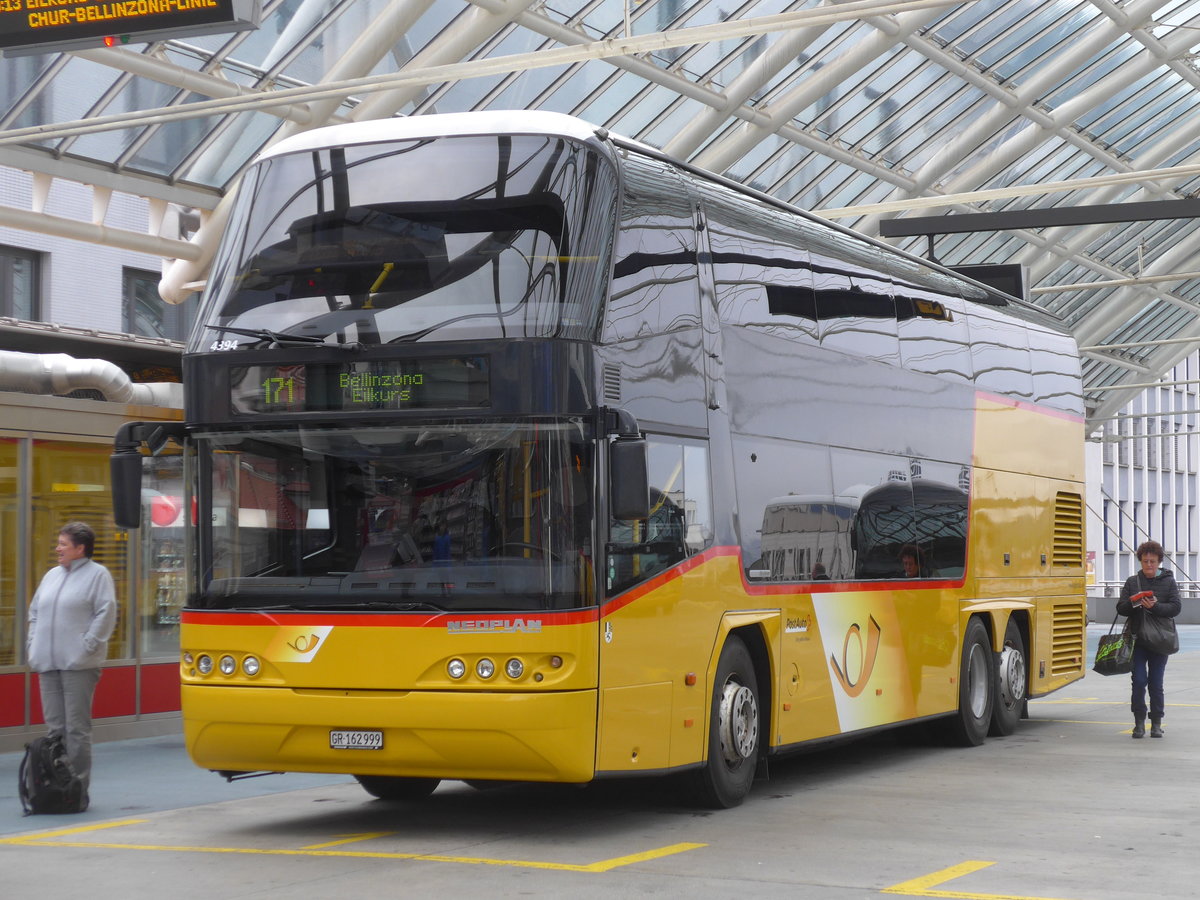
(1188, 590)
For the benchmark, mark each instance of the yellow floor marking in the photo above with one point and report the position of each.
(1096, 701)
(62, 832)
(926, 885)
(42, 839)
(349, 839)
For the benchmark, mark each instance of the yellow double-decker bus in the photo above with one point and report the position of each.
(518, 451)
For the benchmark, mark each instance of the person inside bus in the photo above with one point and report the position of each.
(818, 572)
(910, 560)
(1151, 591)
(441, 543)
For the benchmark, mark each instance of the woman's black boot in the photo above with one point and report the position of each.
(1139, 729)
(1156, 728)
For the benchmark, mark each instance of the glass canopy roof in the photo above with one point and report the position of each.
(861, 110)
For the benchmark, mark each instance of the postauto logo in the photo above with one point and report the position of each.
(494, 626)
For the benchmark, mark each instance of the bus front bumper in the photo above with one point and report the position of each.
(505, 736)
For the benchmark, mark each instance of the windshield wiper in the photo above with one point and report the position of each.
(276, 339)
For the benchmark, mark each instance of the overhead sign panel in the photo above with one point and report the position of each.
(42, 26)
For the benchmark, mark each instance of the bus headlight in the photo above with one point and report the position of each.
(456, 668)
(250, 666)
(485, 668)
(514, 668)
(228, 665)
(204, 665)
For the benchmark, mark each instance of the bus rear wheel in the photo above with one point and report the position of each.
(734, 726)
(976, 689)
(395, 789)
(1011, 669)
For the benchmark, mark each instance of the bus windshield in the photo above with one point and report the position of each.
(451, 516)
(443, 239)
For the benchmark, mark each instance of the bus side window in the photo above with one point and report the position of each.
(680, 520)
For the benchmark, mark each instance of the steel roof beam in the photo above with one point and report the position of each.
(1041, 217)
(164, 72)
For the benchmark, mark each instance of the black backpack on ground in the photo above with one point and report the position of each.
(48, 783)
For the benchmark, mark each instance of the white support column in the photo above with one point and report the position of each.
(101, 198)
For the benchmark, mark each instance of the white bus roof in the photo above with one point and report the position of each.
(440, 125)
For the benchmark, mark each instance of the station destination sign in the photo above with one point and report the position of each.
(43, 26)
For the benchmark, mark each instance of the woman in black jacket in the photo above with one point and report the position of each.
(1150, 592)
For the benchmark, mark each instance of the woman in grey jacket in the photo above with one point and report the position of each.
(1149, 592)
(71, 619)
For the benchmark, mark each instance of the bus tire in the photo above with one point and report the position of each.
(734, 728)
(976, 689)
(1011, 671)
(397, 790)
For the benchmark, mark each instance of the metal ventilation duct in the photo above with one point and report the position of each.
(58, 373)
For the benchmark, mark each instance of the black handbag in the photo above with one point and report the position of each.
(1114, 654)
(1158, 634)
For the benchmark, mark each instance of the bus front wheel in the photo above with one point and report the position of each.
(734, 725)
(1011, 669)
(387, 787)
(976, 689)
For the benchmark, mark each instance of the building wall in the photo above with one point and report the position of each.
(81, 282)
(1142, 483)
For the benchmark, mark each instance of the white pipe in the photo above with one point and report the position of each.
(60, 226)
(58, 373)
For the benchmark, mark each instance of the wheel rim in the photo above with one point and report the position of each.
(1012, 676)
(738, 723)
(977, 680)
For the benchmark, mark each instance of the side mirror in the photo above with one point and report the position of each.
(126, 470)
(628, 479)
(125, 465)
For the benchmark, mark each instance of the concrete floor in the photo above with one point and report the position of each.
(1068, 808)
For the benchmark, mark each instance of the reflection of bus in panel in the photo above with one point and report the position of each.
(807, 538)
(488, 418)
(900, 517)
(862, 535)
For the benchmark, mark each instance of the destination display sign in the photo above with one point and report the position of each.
(362, 385)
(39, 26)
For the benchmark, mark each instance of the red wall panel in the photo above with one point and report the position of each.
(12, 700)
(115, 694)
(160, 688)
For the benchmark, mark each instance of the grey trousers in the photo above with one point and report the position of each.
(67, 707)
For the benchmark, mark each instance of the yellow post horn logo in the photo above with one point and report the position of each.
(306, 643)
(856, 687)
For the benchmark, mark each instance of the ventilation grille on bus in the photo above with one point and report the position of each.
(612, 382)
(1068, 530)
(1066, 653)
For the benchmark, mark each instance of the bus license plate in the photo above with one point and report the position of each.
(356, 740)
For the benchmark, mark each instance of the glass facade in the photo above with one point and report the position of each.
(20, 283)
(54, 469)
(70, 483)
(11, 611)
(147, 314)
